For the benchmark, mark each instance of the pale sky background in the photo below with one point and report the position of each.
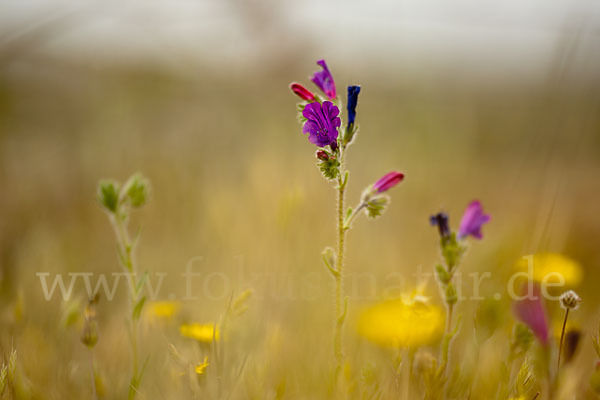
(483, 39)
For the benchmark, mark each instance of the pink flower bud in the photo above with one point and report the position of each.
(302, 92)
(388, 181)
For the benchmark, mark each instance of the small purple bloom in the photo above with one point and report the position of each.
(441, 221)
(353, 92)
(472, 220)
(324, 81)
(388, 181)
(322, 123)
(532, 313)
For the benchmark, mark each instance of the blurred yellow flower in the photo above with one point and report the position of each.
(549, 265)
(409, 321)
(201, 367)
(163, 309)
(200, 332)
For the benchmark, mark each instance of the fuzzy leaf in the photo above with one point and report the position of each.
(376, 206)
(108, 195)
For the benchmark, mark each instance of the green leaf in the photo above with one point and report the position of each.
(108, 195)
(451, 295)
(136, 190)
(137, 310)
(329, 259)
(442, 274)
(138, 286)
(452, 251)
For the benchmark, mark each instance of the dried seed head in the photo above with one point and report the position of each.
(570, 300)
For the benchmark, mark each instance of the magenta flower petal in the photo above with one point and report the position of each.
(532, 313)
(472, 221)
(388, 181)
(322, 123)
(302, 92)
(324, 81)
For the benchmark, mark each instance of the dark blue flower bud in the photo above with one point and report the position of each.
(441, 221)
(353, 92)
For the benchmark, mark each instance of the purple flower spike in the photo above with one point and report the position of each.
(532, 313)
(388, 181)
(472, 220)
(322, 123)
(324, 81)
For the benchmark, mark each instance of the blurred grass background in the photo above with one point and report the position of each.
(234, 181)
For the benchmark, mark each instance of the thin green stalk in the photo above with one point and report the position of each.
(562, 337)
(355, 212)
(449, 318)
(447, 337)
(93, 376)
(127, 259)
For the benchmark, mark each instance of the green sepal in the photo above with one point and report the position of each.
(329, 168)
(349, 135)
(376, 206)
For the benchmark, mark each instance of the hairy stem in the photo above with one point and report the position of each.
(340, 311)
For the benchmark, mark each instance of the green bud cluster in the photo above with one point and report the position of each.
(114, 198)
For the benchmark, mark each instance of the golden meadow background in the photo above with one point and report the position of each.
(212, 124)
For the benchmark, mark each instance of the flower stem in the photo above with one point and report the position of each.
(93, 376)
(447, 338)
(449, 319)
(354, 214)
(340, 306)
(127, 259)
(562, 337)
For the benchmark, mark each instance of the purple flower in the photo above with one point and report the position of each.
(472, 220)
(388, 181)
(441, 221)
(324, 80)
(322, 123)
(532, 313)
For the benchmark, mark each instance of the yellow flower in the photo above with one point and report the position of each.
(200, 332)
(404, 322)
(163, 309)
(201, 367)
(549, 265)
